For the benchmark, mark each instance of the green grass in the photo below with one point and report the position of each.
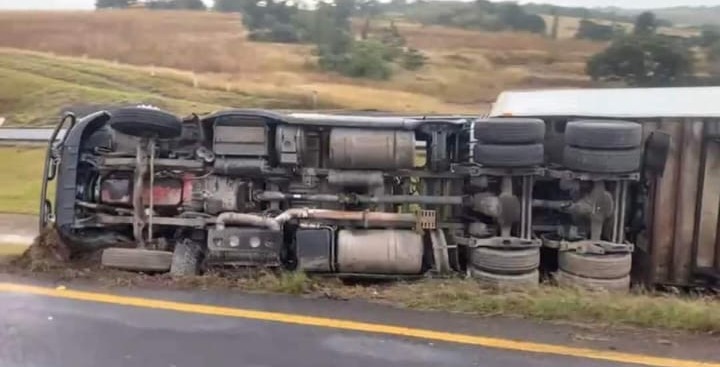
(642, 309)
(35, 88)
(21, 176)
(635, 309)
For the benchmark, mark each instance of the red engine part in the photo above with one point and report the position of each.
(166, 191)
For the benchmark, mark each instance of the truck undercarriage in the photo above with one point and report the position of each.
(350, 195)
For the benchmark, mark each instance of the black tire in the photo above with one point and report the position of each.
(657, 149)
(528, 280)
(136, 259)
(510, 155)
(510, 130)
(601, 134)
(185, 259)
(610, 266)
(146, 123)
(505, 261)
(567, 280)
(602, 161)
(712, 129)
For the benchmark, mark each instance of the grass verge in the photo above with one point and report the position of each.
(48, 258)
(636, 309)
(21, 176)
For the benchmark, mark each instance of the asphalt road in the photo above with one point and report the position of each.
(39, 330)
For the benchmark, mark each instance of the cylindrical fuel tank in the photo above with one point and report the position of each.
(379, 251)
(371, 149)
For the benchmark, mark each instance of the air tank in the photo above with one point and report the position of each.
(371, 149)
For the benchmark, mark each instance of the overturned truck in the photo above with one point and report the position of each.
(498, 199)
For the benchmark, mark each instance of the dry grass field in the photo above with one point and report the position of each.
(186, 60)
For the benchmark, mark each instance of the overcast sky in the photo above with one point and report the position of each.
(88, 4)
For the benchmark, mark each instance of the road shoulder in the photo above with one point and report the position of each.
(601, 338)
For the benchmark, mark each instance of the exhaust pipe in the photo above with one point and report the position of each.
(275, 223)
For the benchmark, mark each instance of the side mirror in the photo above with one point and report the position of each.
(657, 148)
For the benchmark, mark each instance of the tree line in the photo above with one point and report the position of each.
(151, 4)
(645, 58)
(480, 14)
(641, 57)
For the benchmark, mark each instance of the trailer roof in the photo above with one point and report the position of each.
(698, 102)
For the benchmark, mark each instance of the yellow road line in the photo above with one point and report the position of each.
(488, 342)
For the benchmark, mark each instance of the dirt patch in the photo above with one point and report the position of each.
(47, 252)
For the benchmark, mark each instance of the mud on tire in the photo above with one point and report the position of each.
(506, 262)
(610, 266)
(186, 259)
(528, 280)
(567, 280)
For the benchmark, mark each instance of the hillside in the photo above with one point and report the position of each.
(190, 61)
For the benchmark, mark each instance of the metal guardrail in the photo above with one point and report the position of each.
(28, 134)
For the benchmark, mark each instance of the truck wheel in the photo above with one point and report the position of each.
(146, 123)
(602, 161)
(510, 130)
(600, 134)
(507, 262)
(528, 280)
(510, 155)
(136, 259)
(185, 259)
(565, 279)
(712, 129)
(610, 266)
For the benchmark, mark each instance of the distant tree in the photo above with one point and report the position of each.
(367, 60)
(176, 4)
(190, 4)
(713, 56)
(279, 32)
(642, 61)
(597, 32)
(510, 13)
(413, 59)
(714, 52)
(397, 5)
(114, 4)
(368, 9)
(645, 24)
(709, 36)
(272, 20)
(532, 23)
(664, 23)
(229, 6)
